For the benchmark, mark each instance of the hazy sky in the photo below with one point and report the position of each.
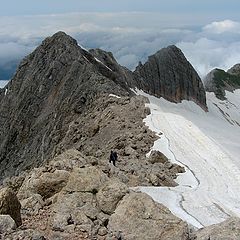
(207, 31)
(228, 8)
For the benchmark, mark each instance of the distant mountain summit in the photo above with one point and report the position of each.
(235, 70)
(218, 81)
(168, 74)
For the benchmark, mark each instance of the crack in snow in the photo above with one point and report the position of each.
(184, 209)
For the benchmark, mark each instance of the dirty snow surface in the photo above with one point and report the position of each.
(207, 144)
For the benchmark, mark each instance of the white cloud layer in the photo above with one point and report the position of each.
(130, 36)
(217, 45)
(222, 27)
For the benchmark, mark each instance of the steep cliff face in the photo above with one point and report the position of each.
(168, 74)
(123, 74)
(218, 81)
(52, 86)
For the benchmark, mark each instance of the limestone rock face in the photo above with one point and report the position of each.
(85, 180)
(86, 202)
(139, 217)
(53, 86)
(70, 209)
(110, 194)
(7, 224)
(46, 184)
(227, 230)
(69, 197)
(32, 205)
(124, 75)
(9, 205)
(168, 74)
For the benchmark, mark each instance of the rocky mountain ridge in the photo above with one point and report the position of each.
(60, 82)
(53, 86)
(62, 113)
(219, 81)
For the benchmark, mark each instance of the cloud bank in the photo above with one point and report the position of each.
(132, 37)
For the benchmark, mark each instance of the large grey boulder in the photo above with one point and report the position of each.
(44, 183)
(227, 230)
(157, 157)
(110, 194)
(69, 212)
(138, 217)
(7, 224)
(32, 205)
(85, 180)
(76, 205)
(10, 205)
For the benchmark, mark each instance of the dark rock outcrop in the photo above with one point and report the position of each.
(122, 74)
(235, 70)
(218, 81)
(54, 85)
(168, 74)
(10, 205)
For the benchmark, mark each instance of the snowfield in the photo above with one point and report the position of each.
(207, 145)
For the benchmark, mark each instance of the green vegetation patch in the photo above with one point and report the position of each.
(222, 79)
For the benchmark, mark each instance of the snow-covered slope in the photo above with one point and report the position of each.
(207, 144)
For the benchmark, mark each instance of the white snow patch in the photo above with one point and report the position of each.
(3, 83)
(207, 144)
(6, 90)
(102, 63)
(113, 95)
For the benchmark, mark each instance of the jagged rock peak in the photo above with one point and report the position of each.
(218, 81)
(235, 70)
(168, 74)
(104, 56)
(61, 37)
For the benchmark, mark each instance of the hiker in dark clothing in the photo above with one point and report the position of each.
(113, 157)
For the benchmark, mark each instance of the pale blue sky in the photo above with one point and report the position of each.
(220, 8)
